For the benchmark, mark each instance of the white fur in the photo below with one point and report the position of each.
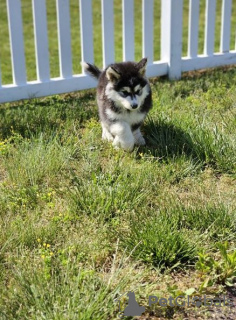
(127, 89)
(106, 135)
(136, 88)
(120, 132)
(84, 66)
(123, 135)
(131, 117)
(112, 73)
(133, 100)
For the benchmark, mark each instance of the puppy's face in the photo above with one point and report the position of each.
(127, 86)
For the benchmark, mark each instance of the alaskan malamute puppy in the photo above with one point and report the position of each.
(124, 98)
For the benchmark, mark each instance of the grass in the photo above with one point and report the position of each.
(82, 223)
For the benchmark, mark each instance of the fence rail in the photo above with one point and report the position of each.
(171, 61)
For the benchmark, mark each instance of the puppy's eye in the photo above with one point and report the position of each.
(124, 93)
(138, 92)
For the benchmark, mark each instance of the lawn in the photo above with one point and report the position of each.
(82, 223)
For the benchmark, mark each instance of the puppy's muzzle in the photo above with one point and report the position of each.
(134, 106)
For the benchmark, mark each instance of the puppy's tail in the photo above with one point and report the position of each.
(92, 70)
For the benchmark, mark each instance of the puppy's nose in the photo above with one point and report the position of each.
(134, 106)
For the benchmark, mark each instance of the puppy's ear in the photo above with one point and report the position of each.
(142, 64)
(112, 74)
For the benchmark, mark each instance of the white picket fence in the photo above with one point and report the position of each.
(171, 62)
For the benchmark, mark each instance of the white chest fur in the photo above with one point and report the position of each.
(131, 117)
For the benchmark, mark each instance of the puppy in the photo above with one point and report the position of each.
(124, 98)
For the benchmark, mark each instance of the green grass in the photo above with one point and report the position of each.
(82, 223)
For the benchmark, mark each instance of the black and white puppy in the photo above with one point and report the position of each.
(124, 98)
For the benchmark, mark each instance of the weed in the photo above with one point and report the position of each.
(218, 269)
(157, 240)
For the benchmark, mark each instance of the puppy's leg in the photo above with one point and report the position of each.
(106, 135)
(139, 139)
(123, 135)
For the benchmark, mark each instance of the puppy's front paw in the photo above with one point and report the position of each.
(127, 145)
(140, 141)
(138, 137)
(106, 135)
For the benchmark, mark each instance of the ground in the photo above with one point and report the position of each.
(82, 223)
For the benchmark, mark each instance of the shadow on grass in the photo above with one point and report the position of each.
(198, 142)
(166, 141)
(46, 115)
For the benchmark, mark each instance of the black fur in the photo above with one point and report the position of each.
(93, 70)
(136, 126)
(111, 81)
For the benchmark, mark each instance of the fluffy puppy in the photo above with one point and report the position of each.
(124, 98)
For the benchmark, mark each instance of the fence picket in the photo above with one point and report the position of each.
(16, 41)
(147, 11)
(41, 40)
(128, 29)
(64, 38)
(225, 25)
(172, 63)
(86, 29)
(108, 32)
(193, 28)
(171, 35)
(210, 27)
